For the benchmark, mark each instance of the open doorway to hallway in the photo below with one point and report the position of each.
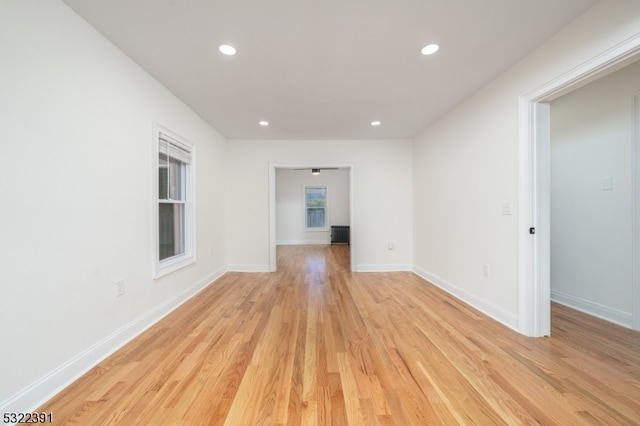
(591, 144)
(311, 207)
(535, 186)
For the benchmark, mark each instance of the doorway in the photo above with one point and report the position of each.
(591, 214)
(534, 163)
(273, 235)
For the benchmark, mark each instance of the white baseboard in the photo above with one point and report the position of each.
(616, 316)
(303, 243)
(43, 389)
(509, 319)
(248, 268)
(382, 268)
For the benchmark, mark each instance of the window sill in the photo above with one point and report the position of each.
(173, 264)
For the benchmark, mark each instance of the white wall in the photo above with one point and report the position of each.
(75, 142)
(591, 228)
(382, 192)
(290, 212)
(466, 165)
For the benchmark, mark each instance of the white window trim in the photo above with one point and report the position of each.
(171, 264)
(326, 208)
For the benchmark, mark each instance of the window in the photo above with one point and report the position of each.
(315, 206)
(175, 227)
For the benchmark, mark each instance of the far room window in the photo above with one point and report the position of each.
(315, 204)
(175, 227)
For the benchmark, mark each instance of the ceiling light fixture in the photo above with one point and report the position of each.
(376, 123)
(264, 123)
(227, 49)
(315, 172)
(430, 49)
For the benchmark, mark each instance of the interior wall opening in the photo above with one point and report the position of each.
(535, 257)
(591, 138)
(290, 189)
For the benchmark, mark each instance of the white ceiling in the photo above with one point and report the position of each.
(324, 69)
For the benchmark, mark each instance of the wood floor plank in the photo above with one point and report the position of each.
(315, 343)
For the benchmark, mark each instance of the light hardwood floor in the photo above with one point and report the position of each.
(317, 344)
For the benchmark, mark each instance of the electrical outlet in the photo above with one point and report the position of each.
(119, 288)
(485, 270)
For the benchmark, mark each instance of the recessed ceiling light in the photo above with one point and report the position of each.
(430, 49)
(264, 123)
(376, 123)
(227, 49)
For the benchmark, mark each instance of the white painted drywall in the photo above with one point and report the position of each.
(466, 166)
(290, 226)
(75, 142)
(382, 193)
(591, 226)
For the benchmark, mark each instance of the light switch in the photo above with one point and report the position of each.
(506, 207)
(607, 183)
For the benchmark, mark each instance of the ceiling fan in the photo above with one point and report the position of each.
(316, 170)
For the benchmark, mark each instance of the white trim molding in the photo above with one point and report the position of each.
(635, 200)
(606, 313)
(384, 268)
(324, 242)
(506, 318)
(248, 268)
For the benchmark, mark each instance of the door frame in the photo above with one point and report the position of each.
(273, 167)
(635, 203)
(534, 250)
